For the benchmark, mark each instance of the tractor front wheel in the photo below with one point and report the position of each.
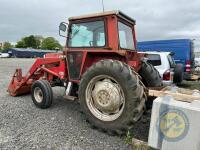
(112, 96)
(41, 93)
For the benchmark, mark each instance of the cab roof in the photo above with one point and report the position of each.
(107, 13)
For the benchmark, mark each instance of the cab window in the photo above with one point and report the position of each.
(125, 36)
(88, 34)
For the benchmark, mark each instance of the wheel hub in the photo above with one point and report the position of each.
(38, 94)
(106, 96)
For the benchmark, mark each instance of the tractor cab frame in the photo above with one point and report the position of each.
(90, 38)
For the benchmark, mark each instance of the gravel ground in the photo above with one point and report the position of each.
(23, 126)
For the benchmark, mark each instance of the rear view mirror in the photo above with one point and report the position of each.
(63, 27)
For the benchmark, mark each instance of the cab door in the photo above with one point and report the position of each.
(74, 62)
(83, 36)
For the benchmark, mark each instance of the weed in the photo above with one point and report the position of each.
(128, 138)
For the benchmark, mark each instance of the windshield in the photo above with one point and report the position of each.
(125, 36)
(89, 34)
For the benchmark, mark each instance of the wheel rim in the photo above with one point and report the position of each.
(38, 94)
(105, 98)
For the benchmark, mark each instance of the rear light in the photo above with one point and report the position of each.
(187, 66)
(166, 75)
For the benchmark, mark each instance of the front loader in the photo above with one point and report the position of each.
(100, 67)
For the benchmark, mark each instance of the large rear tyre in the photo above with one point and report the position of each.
(150, 76)
(41, 93)
(112, 96)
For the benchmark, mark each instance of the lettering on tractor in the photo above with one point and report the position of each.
(100, 68)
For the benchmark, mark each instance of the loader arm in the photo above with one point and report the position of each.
(42, 68)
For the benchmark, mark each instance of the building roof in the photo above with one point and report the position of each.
(107, 13)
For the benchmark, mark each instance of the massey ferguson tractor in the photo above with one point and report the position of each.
(100, 68)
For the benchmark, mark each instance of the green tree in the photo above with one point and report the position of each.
(39, 40)
(20, 44)
(7, 45)
(29, 41)
(50, 43)
(0, 47)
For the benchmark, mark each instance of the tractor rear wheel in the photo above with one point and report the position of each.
(41, 93)
(150, 76)
(112, 96)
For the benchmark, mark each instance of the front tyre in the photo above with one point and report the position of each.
(41, 93)
(112, 96)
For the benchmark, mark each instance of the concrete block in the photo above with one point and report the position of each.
(175, 125)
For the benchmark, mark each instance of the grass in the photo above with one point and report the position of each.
(142, 147)
(128, 138)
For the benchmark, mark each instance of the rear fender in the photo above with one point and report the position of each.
(93, 57)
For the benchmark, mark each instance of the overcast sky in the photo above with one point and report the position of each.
(155, 19)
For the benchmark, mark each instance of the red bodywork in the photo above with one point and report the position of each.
(73, 62)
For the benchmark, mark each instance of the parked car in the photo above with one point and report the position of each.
(4, 55)
(166, 66)
(183, 50)
(197, 62)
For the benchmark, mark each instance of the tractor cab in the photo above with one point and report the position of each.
(111, 30)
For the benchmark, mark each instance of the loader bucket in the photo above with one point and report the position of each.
(17, 86)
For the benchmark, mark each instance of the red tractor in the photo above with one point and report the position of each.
(100, 66)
